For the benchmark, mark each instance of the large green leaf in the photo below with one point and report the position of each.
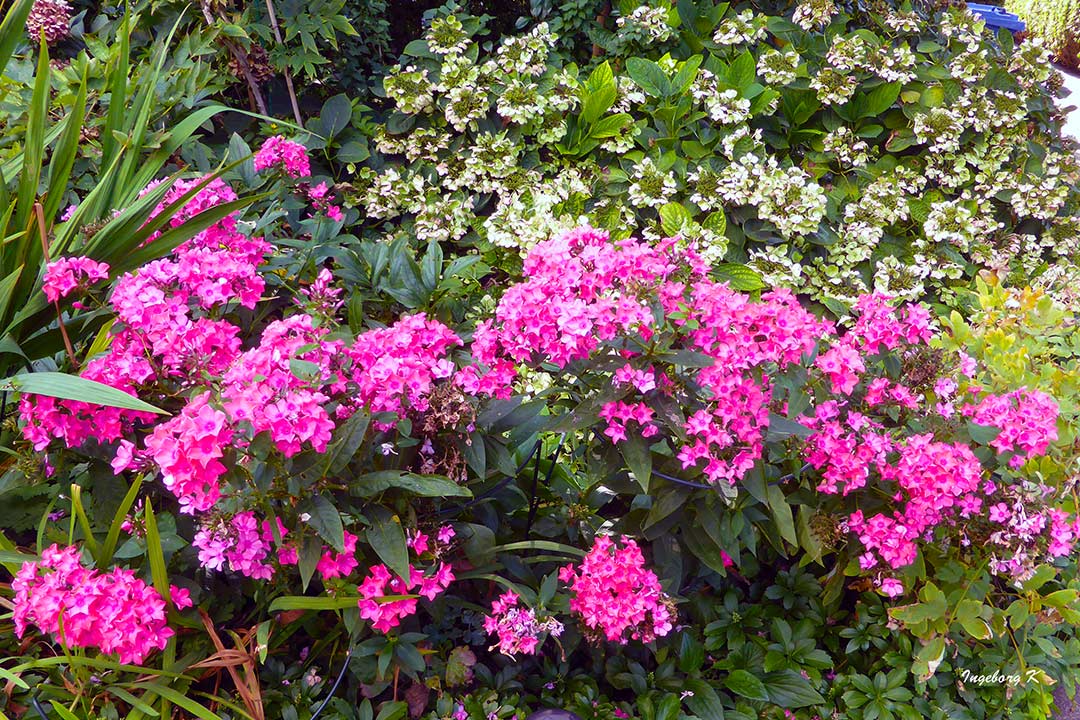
(789, 689)
(387, 539)
(326, 520)
(12, 30)
(649, 76)
(749, 686)
(72, 387)
(372, 484)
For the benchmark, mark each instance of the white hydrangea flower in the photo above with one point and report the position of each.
(410, 89)
(779, 67)
(833, 87)
(849, 149)
(651, 187)
(740, 29)
(646, 24)
(814, 14)
(725, 106)
(446, 36)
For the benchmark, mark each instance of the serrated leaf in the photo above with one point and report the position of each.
(673, 216)
(739, 277)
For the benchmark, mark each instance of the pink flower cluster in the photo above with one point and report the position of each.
(188, 448)
(65, 275)
(290, 156)
(582, 290)
(244, 544)
(614, 593)
(394, 368)
(618, 414)
(115, 612)
(1027, 420)
(579, 290)
(519, 629)
(388, 614)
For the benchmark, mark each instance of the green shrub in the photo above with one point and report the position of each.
(1056, 22)
(861, 152)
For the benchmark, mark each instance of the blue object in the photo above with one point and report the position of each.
(997, 17)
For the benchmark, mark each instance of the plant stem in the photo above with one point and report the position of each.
(288, 74)
(39, 213)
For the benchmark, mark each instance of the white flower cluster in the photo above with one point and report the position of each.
(526, 54)
(833, 87)
(646, 24)
(814, 14)
(740, 29)
(779, 67)
(537, 212)
(410, 89)
(447, 36)
(651, 186)
(849, 150)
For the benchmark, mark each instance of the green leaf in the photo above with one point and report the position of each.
(34, 149)
(742, 71)
(635, 451)
(649, 76)
(301, 602)
(743, 683)
(739, 277)
(780, 428)
(387, 539)
(158, 572)
(982, 434)
(598, 93)
(326, 520)
(609, 126)
(12, 29)
(239, 150)
(929, 658)
(336, 115)
(309, 557)
(108, 548)
(686, 75)
(179, 699)
(878, 100)
(479, 544)
(347, 439)
(808, 541)
(1043, 574)
(789, 689)
(673, 216)
(374, 483)
(782, 516)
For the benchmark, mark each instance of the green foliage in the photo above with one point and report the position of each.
(1055, 22)
(831, 161)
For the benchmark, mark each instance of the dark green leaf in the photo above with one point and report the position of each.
(743, 683)
(387, 539)
(374, 483)
(326, 520)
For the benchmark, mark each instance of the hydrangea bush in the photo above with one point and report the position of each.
(834, 151)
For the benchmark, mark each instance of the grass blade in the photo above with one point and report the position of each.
(34, 152)
(109, 546)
